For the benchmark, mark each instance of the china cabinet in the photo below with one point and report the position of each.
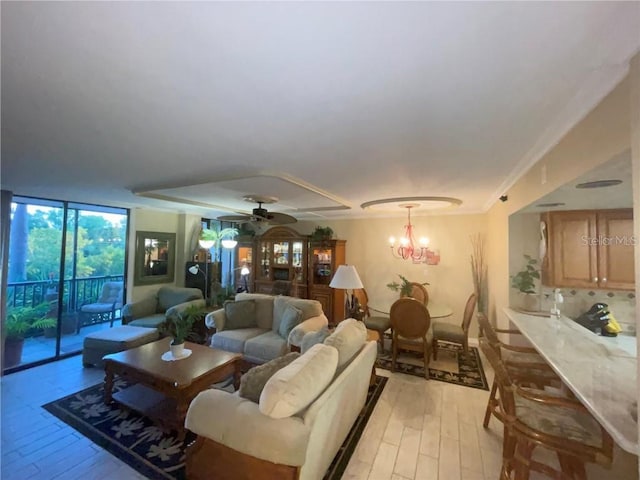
(281, 254)
(324, 259)
(590, 249)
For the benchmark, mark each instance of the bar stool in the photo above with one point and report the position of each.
(524, 364)
(535, 419)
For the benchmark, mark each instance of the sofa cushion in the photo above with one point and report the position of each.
(264, 307)
(294, 387)
(309, 308)
(291, 317)
(239, 314)
(234, 340)
(311, 338)
(152, 321)
(170, 296)
(252, 382)
(264, 347)
(348, 338)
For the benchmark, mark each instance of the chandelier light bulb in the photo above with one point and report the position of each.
(424, 241)
(404, 241)
(392, 241)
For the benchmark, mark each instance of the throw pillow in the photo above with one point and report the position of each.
(293, 388)
(252, 382)
(311, 338)
(239, 314)
(290, 318)
(348, 338)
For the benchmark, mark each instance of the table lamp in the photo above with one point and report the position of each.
(347, 278)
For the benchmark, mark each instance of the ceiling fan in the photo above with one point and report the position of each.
(260, 215)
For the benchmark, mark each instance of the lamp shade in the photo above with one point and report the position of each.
(346, 278)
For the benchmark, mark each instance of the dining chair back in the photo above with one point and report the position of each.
(419, 292)
(410, 322)
(447, 332)
(380, 323)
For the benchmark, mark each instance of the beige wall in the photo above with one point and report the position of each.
(601, 135)
(159, 221)
(368, 249)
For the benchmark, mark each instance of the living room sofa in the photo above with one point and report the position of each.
(305, 413)
(258, 332)
(151, 311)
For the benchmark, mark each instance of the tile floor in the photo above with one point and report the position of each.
(419, 430)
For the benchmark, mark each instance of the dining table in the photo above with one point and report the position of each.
(600, 371)
(436, 309)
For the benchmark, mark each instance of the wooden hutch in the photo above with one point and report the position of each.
(284, 254)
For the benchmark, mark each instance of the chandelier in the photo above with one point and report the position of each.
(408, 249)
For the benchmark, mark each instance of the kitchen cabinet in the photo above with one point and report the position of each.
(324, 259)
(590, 249)
(281, 255)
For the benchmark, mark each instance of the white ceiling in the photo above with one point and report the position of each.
(325, 105)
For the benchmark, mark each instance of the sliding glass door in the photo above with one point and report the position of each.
(65, 277)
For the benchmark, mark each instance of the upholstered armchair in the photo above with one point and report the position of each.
(151, 311)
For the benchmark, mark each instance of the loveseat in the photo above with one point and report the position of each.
(304, 414)
(151, 311)
(262, 327)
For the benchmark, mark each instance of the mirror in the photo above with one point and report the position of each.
(155, 258)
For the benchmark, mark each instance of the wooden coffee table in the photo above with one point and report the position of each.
(163, 390)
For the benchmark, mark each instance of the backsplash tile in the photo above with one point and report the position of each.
(621, 304)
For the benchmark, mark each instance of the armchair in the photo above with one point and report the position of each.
(105, 307)
(151, 311)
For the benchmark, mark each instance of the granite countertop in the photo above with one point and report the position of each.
(600, 371)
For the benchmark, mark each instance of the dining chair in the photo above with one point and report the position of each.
(533, 418)
(419, 292)
(524, 365)
(410, 322)
(447, 332)
(379, 323)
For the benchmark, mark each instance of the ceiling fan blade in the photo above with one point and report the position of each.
(235, 218)
(276, 218)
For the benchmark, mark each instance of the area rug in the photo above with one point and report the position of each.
(138, 442)
(452, 366)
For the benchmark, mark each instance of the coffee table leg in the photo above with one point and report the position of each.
(108, 384)
(237, 373)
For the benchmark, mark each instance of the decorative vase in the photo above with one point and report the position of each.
(529, 302)
(177, 350)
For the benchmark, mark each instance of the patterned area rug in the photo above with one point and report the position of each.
(452, 366)
(138, 442)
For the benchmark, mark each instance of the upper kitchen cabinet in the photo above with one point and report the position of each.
(590, 249)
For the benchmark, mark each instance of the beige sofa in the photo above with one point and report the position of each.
(151, 311)
(306, 411)
(262, 340)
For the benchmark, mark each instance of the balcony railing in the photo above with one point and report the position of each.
(76, 292)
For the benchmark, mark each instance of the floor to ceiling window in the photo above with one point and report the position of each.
(65, 277)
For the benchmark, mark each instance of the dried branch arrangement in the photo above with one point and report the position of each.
(479, 270)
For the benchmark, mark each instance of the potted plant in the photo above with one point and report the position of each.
(18, 323)
(321, 234)
(525, 283)
(404, 288)
(180, 327)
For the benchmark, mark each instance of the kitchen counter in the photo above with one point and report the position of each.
(600, 371)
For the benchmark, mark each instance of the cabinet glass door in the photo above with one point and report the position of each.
(322, 268)
(265, 261)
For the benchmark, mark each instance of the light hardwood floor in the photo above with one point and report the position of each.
(419, 430)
